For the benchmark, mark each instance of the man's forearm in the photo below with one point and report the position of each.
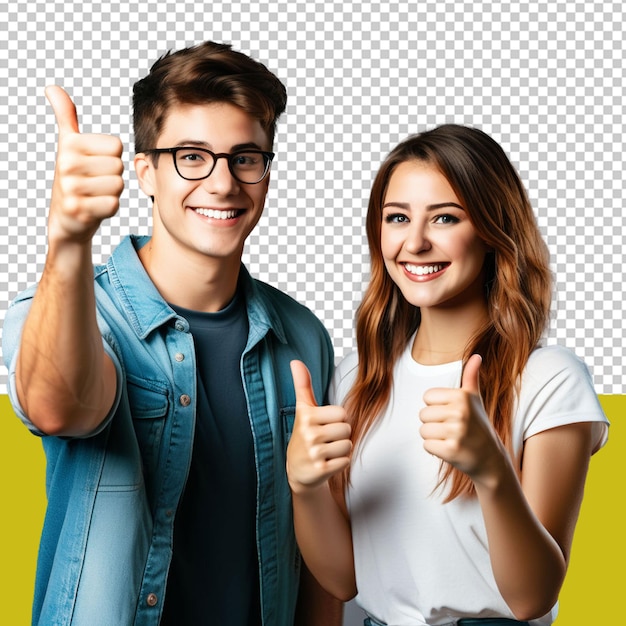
(65, 381)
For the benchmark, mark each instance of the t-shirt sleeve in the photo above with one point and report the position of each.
(557, 389)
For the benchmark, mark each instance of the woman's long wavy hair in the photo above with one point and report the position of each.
(517, 290)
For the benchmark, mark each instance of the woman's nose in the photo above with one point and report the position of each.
(417, 238)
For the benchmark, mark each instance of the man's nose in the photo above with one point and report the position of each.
(221, 181)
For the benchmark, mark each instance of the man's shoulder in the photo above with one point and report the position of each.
(290, 319)
(276, 296)
(284, 305)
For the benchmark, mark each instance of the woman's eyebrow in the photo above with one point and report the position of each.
(443, 205)
(430, 207)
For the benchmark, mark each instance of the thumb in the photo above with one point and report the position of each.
(469, 381)
(64, 109)
(302, 383)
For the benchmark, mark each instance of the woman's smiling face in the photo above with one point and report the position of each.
(429, 245)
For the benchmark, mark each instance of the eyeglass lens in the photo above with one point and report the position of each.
(195, 164)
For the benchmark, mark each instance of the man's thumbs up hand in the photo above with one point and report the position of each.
(64, 109)
(320, 443)
(88, 175)
(302, 384)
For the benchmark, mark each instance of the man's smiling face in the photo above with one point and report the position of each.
(214, 216)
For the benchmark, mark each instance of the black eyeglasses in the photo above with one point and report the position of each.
(246, 166)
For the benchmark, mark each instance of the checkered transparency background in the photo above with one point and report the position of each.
(545, 79)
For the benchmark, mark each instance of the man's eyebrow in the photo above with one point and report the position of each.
(194, 143)
(430, 207)
(251, 145)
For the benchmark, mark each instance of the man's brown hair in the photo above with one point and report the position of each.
(202, 74)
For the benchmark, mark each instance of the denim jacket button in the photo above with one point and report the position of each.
(152, 599)
(179, 326)
(185, 400)
(179, 356)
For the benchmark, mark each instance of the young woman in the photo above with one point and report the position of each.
(445, 484)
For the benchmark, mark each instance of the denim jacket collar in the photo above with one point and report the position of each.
(147, 310)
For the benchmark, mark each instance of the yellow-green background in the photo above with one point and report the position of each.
(592, 594)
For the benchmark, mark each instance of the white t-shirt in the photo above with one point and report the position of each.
(419, 561)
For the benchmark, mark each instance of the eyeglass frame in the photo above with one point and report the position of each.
(268, 156)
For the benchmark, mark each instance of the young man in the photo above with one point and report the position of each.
(161, 383)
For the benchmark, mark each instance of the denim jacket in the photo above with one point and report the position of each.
(107, 538)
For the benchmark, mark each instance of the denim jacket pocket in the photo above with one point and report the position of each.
(287, 418)
(149, 406)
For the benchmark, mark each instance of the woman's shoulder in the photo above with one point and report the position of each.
(343, 379)
(557, 388)
(553, 359)
(555, 369)
(349, 363)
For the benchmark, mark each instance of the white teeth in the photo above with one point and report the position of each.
(217, 215)
(422, 270)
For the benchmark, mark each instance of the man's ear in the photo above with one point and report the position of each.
(144, 168)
